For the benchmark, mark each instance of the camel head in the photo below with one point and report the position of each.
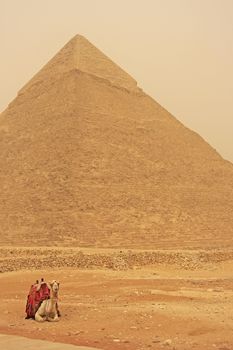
(54, 286)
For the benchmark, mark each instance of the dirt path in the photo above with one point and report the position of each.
(130, 310)
(13, 342)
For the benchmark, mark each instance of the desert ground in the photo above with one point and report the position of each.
(185, 303)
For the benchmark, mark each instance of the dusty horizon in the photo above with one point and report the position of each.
(186, 66)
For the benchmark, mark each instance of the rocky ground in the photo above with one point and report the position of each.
(129, 300)
(18, 258)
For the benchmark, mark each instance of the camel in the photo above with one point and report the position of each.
(48, 310)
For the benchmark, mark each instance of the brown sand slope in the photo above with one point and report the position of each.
(88, 159)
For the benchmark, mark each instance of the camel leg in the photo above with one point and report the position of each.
(58, 311)
(53, 319)
(39, 318)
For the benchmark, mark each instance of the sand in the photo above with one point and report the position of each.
(157, 307)
(9, 342)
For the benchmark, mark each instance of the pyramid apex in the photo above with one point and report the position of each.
(78, 37)
(79, 53)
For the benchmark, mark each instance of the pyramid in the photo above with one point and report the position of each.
(88, 159)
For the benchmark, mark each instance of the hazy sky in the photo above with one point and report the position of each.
(179, 51)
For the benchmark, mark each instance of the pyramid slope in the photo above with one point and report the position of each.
(88, 163)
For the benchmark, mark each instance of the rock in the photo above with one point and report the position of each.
(78, 332)
(167, 342)
(133, 327)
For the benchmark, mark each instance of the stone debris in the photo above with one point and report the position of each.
(32, 259)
